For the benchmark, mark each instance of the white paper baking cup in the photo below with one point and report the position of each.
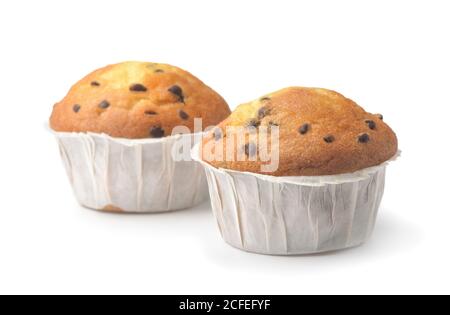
(124, 175)
(294, 215)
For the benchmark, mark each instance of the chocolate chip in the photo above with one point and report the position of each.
(253, 123)
(250, 149)
(76, 108)
(218, 134)
(371, 124)
(159, 71)
(363, 138)
(157, 132)
(263, 112)
(150, 113)
(304, 129)
(183, 115)
(177, 91)
(265, 99)
(329, 139)
(104, 105)
(380, 116)
(95, 83)
(138, 88)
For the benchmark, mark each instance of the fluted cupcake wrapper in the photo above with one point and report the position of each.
(124, 175)
(294, 215)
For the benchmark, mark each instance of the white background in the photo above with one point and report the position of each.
(391, 57)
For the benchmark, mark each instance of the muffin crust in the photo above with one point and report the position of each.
(321, 133)
(137, 100)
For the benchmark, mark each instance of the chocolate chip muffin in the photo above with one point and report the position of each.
(137, 100)
(321, 132)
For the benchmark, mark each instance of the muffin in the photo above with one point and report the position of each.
(328, 181)
(115, 128)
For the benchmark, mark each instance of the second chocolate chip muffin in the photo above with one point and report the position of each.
(137, 100)
(321, 133)
(324, 191)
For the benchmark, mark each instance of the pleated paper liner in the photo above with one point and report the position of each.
(122, 175)
(295, 215)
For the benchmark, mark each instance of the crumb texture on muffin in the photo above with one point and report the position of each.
(137, 100)
(321, 132)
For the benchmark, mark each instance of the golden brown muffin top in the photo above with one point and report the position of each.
(137, 100)
(321, 132)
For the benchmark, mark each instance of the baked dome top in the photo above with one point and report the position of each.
(137, 100)
(321, 132)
